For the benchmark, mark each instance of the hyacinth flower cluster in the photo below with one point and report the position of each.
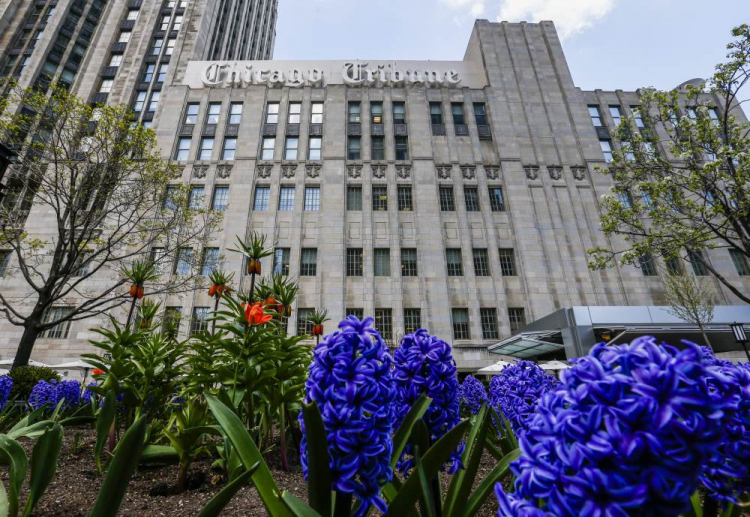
(727, 473)
(472, 394)
(517, 390)
(424, 364)
(50, 393)
(627, 433)
(350, 380)
(6, 384)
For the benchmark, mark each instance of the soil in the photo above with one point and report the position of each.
(75, 486)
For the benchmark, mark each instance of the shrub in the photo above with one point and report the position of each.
(26, 377)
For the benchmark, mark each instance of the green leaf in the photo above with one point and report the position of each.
(494, 451)
(77, 420)
(44, 459)
(31, 431)
(463, 480)
(732, 510)
(123, 465)
(428, 501)
(433, 459)
(297, 506)
(165, 454)
(318, 460)
(13, 455)
(401, 437)
(27, 420)
(249, 455)
(218, 502)
(4, 505)
(695, 501)
(104, 421)
(477, 499)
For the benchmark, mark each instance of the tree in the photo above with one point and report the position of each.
(695, 195)
(97, 178)
(691, 299)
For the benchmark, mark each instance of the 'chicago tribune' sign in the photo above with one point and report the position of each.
(298, 74)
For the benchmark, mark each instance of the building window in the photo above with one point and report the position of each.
(272, 113)
(314, 152)
(304, 326)
(124, 37)
(471, 196)
(606, 146)
(316, 113)
(508, 262)
(382, 262)
(4, 261)
(164, 23)
(170, 196)
(648, 266)
(281, 261)
(229, 149)
(489, 323)
(614, 111)
(354, 198)
(408, 262)
(357, 313)
(170, 46)
(480, 114)
(376, 112)
(436, 114)
(262, 195)
(674, 266)
(148, 73)
(115, 60)
(312, 198)
(184, 258)
(402, 148)
(199, 321)
(132, 15)
(191, 113)
(220, 201)
(596, 116)
(453, 259)
(235, 113)
(290, 148)
(207, 147)
(196, 197)
(384, 324)
(354, 148)
(460, 319)
(140, 100)
(171, 320)
(177, 25)
(399, 113)
(638, 117)
(481, 262)
(699, 268)
(286, 199)
(404, 198)
(517, 317)
(740, 262)
(106, 86)
(267, 152)
(61, 330)
(81, 266)
(378, 148)
(412, 320)
(308, 262)
(156, 47)
(154, 102)
(183, 149)
(447, 203)
(380, 198)
(355, 112)
(210, 261)
(295, 108)
(457, 110)
(354, 262)
(162, 75)
(214, 110)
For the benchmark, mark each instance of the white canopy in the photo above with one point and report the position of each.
(494, 368)
(9, 362)
(554, 365)
(73, 365)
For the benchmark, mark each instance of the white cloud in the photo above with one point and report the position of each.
(570, 16)
(473, 8)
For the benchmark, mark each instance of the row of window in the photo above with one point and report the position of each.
(696, 258)
(404, 198)
(616, 113)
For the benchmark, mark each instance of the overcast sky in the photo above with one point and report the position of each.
(610, 44)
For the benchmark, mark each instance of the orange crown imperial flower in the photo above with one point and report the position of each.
(254, 314)
(97, 371)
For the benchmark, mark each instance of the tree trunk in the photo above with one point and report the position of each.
(705, 338)
(30, 333)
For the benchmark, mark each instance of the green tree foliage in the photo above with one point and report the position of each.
(681, 182)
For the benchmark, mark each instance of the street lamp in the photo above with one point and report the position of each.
(740, 336)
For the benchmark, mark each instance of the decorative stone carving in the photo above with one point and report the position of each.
(224, 171)
(468, 171)
(289, 170)
(355, 171)
(493, 171)
(579, 172)
(403, 171)
(532, 171)
(313, 170)
(378, 171)
(555, 172)
(444, 171)
(199, 171)
(17, 172)
(264, 171)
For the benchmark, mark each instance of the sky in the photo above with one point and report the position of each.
(609, 44)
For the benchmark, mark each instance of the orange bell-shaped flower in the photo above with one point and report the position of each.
(254, 314)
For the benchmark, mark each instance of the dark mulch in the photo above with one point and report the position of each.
(151, 491)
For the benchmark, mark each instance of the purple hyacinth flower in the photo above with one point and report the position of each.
(6, 384)
(472, 394)
(517, 390)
